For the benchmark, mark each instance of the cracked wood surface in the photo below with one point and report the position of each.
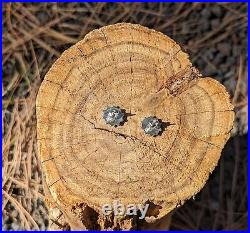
(147, 74)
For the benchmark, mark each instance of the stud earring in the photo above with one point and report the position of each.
(152, 126)
(113, 116)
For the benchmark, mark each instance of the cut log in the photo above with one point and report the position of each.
(88, 163)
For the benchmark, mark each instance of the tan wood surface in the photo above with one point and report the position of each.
(87, 163)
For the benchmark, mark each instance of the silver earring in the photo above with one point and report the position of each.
(152, 126)
(113, 116)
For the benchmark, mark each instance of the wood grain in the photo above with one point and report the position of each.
(147, 74)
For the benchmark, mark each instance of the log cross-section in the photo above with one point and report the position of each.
(88, 163)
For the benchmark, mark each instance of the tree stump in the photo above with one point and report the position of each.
(88, 163)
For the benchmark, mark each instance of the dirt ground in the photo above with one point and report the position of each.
(34, 36)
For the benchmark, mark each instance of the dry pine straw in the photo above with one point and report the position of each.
(27, 26)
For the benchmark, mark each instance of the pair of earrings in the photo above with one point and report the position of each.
(115, 116)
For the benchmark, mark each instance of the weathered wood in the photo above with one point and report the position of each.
(88, 163)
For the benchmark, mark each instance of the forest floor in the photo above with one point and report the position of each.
(34, 36)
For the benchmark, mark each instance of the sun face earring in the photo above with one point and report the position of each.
(152, 126)
(113, 116)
